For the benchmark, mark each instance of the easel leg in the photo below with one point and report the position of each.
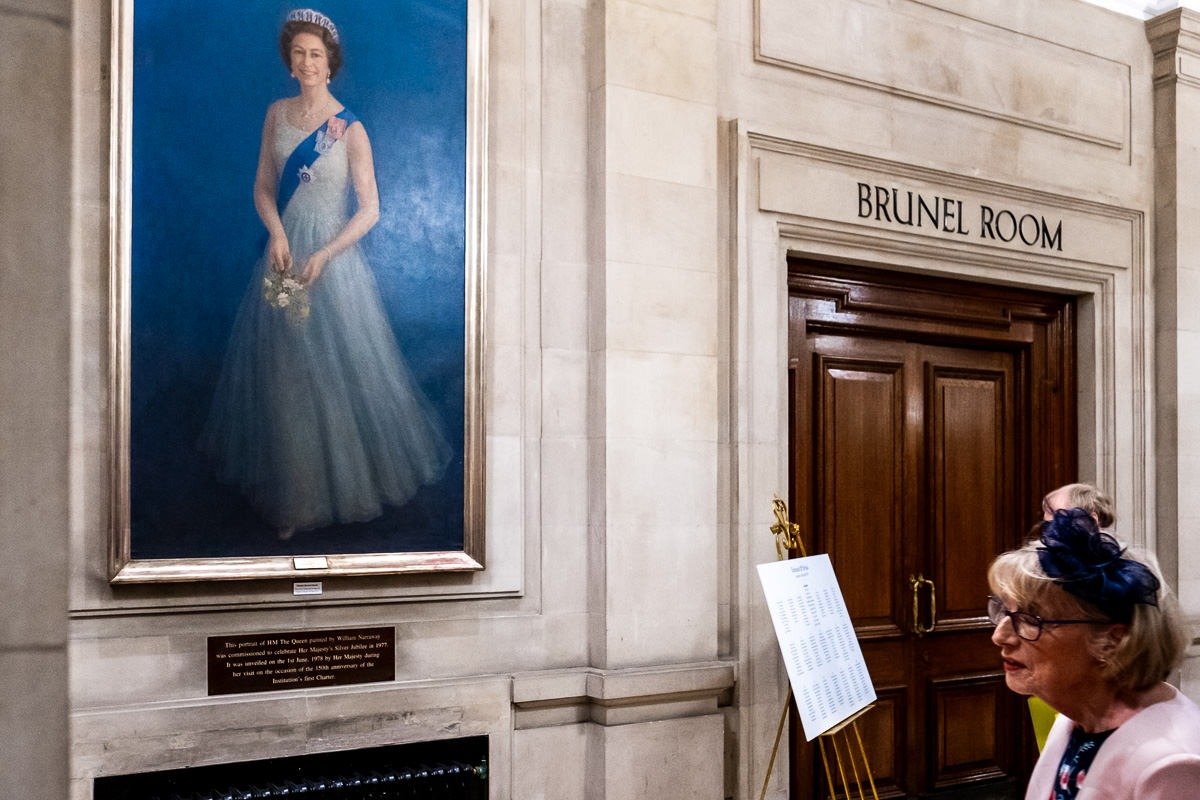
(828, 775)
(837, 754)
(867, 764)
(775, 747)
(853, 765)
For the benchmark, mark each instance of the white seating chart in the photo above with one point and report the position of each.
(816, 636)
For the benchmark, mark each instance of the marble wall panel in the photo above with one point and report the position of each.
(565, 139)
(661, 50)
(661, 138)
(701, 9)
(657, 309)
(564, 305)
(663, 482)
(505, 303)
(565, 568)
(507, 110)
(564, 392)
(661, 593)
(661, 396)
(670, 760)
(564, 47)
(33, 723)
(553, 763)
(681, 218)
(564, 217)
(506, 382)
(660, 598)
(565, 486)
(506, 221)
(943, 59)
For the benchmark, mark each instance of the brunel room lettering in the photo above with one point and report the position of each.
(950, 215)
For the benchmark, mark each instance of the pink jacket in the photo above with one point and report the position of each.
(1155, 755)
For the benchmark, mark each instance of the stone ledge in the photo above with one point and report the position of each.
(240, 727)
(620, 696)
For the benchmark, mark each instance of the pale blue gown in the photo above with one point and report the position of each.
(320, 421)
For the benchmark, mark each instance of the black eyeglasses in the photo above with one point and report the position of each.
(1029, 626)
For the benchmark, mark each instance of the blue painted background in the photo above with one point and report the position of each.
(204, 74)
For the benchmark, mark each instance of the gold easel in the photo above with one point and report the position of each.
(787, 540)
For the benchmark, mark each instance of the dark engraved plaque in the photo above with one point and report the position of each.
(265, 662)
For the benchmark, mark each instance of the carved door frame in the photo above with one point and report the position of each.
(1034, 332)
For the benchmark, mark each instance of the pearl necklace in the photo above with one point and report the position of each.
(308, 115)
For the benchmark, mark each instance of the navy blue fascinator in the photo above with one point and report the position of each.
(1091, 565)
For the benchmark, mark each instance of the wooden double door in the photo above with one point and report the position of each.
(928, 417)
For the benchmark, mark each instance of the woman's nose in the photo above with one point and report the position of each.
(1004, 632)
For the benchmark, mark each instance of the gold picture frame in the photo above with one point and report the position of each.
(126, 563)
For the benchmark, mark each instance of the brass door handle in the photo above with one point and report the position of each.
(916, 582)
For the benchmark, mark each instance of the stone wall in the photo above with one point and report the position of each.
(650, 165)
(36, 291)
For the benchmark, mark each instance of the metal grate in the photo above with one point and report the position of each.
(455, 769)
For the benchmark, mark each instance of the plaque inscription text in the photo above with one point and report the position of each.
(264, 662)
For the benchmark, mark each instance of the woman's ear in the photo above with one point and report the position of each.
(1108, 641)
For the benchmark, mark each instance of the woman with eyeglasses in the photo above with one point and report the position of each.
(1091, 629)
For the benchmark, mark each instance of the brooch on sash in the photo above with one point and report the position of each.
(296, 172)
(334, 130)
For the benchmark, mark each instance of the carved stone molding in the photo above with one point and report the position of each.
(1175, 41)
(619, 696)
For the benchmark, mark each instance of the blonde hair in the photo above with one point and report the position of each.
(1154, 639)
(1091, 500)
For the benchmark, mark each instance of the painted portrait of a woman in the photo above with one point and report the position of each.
(306, 396)
(316, 416)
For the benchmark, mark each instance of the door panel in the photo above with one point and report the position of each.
(970, 482)
(886, 751)
(967, 730)
(912, 431)
(861, 416)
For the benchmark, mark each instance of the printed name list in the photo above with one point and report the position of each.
(816, 636)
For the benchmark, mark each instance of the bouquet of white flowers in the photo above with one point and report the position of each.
(284, 292)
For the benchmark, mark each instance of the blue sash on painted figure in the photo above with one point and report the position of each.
(298, 168)
(318, 419)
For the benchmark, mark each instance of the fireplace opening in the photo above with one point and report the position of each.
(455, 769)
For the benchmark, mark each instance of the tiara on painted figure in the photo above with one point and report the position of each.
(316, 18)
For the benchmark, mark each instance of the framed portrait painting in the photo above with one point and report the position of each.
(296, 288)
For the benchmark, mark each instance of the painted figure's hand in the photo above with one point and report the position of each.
(279, 254)
(314, 266)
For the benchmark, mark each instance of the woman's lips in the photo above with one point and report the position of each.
(1011, 665)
